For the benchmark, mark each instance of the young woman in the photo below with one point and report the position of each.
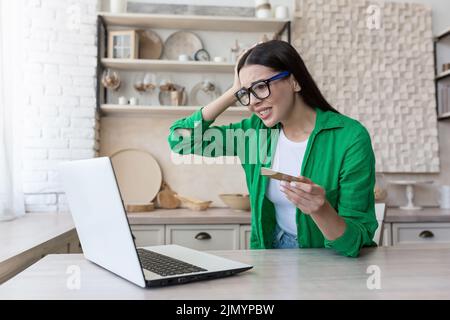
(333, 206)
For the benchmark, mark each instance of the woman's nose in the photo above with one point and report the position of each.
(254, 101)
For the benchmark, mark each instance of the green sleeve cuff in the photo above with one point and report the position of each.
(348, 243)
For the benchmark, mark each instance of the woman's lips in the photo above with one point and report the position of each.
(265, 113)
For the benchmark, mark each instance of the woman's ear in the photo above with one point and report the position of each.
(295, 85)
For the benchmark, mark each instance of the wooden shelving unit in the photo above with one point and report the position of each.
(167, 65)
(442, 35)
(444, 116)
(108, 21)
(120, 110)
(442, 76)
(209, 23)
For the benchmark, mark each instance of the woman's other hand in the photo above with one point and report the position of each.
(307, 196)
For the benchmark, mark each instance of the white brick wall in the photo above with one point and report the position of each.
(60, 121)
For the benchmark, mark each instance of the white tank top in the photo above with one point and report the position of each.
(288, 159)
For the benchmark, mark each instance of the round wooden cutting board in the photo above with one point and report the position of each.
(138, 175)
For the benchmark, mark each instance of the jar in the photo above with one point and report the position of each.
(118, 6)
(281, 12)
(133, 101)
(263, 9)
(123, 101)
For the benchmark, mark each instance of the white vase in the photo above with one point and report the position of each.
(281, 12)
(263, 9)
(118, 6)
(264, 13)
(261, 2)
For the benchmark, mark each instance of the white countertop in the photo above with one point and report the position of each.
(406, 273)
(228, 216)
(430, 214)
(186, 216)
(30, 231)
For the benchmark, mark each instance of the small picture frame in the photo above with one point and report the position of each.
(123, 44)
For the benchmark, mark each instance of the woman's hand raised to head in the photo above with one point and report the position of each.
(237, 83)
(227, 99)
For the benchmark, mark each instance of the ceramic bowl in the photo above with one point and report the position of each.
(237, 202)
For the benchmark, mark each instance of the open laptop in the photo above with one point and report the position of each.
(105, 235)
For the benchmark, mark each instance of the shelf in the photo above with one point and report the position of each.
(443, 75)
(190, 22)
(177, 22)
(444, 116)
(167, 65)
(442, 35)
(120, 110)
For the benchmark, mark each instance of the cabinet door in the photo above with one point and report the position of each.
(204, 237)
(421, 233)
(148, 235)
(386, 237)
(245, 237)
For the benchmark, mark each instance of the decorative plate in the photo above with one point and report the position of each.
(203, 93)
(181, 42)
(150, 45)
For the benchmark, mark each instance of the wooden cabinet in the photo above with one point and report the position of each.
(149, 235)
(427, 227)
(213, 229)
(442, 75)
(204, 237)
(224, 229)
(245, 231)
(235, 236)
(420, 233)
(386, 236)
(195, 236)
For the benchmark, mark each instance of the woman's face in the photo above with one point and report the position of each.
(277, 106)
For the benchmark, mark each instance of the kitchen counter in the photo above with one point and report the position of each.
(228, 216)
(187, 216)
(26, 239)
(406, 273)
(424, 215)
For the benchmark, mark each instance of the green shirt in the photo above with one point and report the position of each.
(339, 157)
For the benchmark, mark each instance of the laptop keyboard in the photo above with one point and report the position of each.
(164, 265)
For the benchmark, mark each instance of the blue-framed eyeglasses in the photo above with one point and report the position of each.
(260, 89)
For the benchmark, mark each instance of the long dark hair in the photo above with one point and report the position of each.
(281, 56)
